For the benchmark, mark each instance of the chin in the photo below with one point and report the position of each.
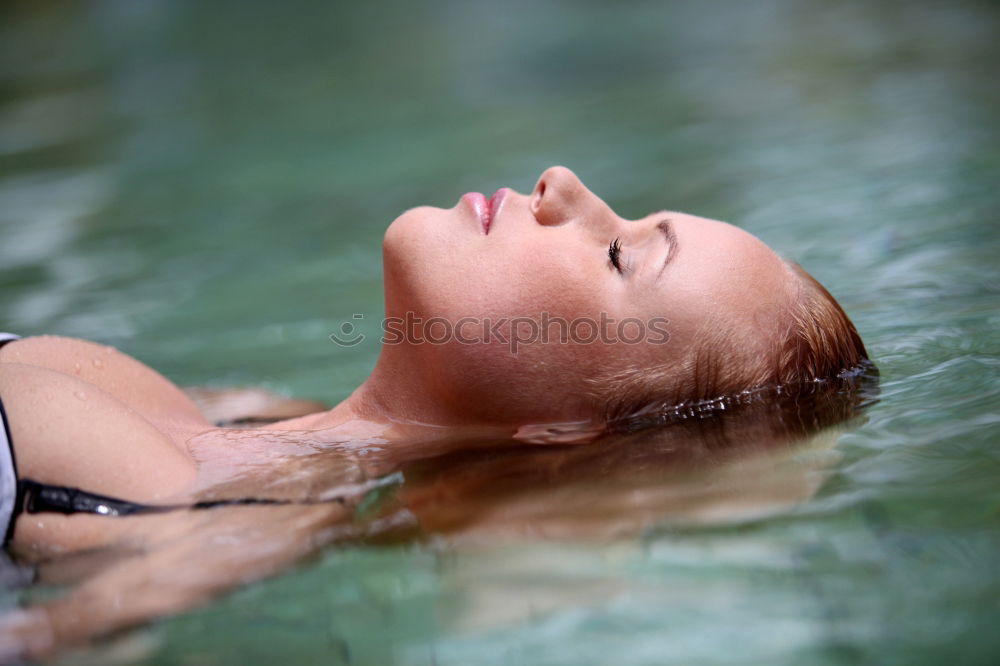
(406, 229)
(411, 251)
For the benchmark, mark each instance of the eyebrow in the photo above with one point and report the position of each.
(671, 237)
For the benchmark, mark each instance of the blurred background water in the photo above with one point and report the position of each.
(205, 186)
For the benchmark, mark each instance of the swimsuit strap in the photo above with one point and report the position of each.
(35, 497)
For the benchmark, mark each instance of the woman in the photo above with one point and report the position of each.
(546, 318)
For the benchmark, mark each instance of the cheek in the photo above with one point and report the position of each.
(435, 273)
(553, 279)
(514, 364)
(482, 306)
(529, 358)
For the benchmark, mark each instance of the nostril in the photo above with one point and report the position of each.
(536, 198)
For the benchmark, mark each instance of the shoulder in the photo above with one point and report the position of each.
(134, 383)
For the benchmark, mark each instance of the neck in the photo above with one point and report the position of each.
(366, 413)
(401, 390)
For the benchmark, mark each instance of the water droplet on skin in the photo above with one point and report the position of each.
(76, 368)
(98, 363)
(80, 394)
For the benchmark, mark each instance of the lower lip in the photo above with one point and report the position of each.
(485, 209)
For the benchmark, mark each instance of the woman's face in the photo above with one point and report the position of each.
(500, 311)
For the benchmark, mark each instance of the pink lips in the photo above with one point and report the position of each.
(485, 209)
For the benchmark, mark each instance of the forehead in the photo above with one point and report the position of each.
(719, 266)
(714, 240)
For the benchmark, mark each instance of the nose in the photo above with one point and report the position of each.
(560, 197)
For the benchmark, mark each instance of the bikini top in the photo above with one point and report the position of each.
(34, 497)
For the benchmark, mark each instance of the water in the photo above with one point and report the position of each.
(205, 185)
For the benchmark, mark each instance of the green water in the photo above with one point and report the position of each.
(205, 185)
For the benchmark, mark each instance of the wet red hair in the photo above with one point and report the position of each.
(813, 340)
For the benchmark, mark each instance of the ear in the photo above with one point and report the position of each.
(574, 432)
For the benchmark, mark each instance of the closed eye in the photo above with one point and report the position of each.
(615, 254)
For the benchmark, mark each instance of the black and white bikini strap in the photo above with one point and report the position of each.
(8, 337)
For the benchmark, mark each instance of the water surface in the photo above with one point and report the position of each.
(205, 185)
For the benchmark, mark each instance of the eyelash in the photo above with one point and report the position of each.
(615, 253)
